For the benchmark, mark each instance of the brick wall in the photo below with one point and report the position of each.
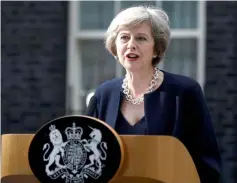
(221, 81)
(33, 64)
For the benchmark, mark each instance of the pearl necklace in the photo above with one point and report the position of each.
(151, 88)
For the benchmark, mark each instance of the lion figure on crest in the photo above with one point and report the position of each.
(58, 145)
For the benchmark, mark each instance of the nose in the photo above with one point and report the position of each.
(131, 44)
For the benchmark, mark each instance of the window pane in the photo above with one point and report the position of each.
(98, 65)
(126, 4)
(96, 14)
(181, 57)
(182, 14)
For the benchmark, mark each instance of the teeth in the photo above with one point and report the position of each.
(132, 56)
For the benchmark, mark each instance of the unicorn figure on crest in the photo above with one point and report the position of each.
(91, 145)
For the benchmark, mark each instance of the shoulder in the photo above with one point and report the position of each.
(109, 86)
(188, 88)
(181, 83)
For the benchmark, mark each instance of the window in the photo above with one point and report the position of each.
(89, 64)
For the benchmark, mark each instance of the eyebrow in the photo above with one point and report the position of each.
(140, 34)
(143, 34)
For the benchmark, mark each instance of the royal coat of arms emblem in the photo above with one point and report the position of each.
(75, 149)
(73, 153)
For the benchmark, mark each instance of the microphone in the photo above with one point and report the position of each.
(91, 109)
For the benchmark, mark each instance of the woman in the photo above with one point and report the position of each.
(149, 101)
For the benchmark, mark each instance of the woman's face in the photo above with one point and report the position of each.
(135, 47)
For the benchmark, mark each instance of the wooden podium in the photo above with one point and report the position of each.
(154, 159)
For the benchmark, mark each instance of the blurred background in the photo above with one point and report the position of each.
(53, 57)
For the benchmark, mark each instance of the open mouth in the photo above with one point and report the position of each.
(132, 56)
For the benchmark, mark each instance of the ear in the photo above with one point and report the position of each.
(155, 53)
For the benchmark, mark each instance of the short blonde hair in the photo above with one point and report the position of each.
(133, 16)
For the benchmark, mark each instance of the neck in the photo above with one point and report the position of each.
(138, 82)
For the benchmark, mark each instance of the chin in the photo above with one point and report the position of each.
(133, 68)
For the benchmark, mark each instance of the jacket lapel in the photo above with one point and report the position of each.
(153, 103)
(114, 104)
(159, 111)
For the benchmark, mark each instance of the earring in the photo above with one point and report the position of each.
(154, 56)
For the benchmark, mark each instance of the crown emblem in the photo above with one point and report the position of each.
(73, 133)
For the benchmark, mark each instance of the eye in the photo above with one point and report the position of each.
(140, 38)
(124, 37)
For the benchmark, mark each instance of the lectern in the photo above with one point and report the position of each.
(154, 159)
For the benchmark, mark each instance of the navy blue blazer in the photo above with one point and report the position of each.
(177, 108)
